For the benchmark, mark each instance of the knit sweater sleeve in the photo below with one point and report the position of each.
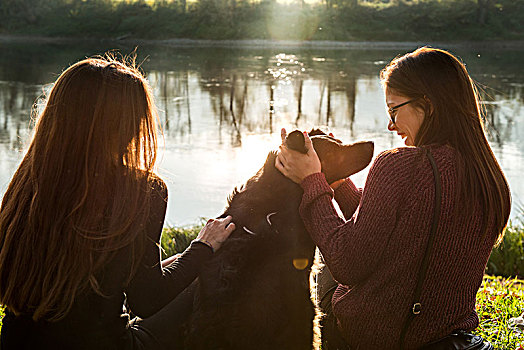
(154, 286)
(348, 196)
(353, 248)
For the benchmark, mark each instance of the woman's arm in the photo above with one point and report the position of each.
(348, 197)
(153, 286)
(156, 283)
(169, 260)
(352, 249)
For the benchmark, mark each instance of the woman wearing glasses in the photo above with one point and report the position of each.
(410, 254)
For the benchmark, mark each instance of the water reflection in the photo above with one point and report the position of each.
(16, 101)
(221, 109)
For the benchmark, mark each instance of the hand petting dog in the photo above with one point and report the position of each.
(295, 165)
(216, 231)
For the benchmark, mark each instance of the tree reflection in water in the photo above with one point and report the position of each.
(217, 99)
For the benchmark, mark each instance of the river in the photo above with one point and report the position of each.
(221, 108)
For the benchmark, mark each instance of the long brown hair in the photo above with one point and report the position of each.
(453, 116)
(80, 192)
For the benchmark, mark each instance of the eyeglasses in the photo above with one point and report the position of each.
(391, 110)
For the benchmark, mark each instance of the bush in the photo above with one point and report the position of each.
(508, 258)
(176, 240)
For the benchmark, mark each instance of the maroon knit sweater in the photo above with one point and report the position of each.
(376, 255)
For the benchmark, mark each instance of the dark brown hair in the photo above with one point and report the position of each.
(80, 192)
(453, 116)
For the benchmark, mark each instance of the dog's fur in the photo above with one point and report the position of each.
(254, 293)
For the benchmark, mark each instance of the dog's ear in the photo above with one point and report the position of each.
(295, 141)
(340, 161)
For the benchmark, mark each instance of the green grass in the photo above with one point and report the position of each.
(498, 300)
(175, 240)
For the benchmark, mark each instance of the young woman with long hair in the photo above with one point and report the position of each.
(376, 255)
(81, 220)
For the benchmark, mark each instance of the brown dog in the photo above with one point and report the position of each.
(254, 294)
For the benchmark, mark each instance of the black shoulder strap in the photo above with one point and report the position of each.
(417, 306)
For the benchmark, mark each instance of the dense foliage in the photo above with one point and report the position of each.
(508, 258)
(267, 19)
(176, 240)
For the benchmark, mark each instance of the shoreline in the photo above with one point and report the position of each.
(265, 43)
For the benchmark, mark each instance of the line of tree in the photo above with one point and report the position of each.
(267, 19)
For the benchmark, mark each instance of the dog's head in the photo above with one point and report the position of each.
(338, 160)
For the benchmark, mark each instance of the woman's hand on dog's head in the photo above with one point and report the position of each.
(295, 165)
(216, 231)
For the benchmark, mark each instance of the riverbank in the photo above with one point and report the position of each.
(261, 44)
